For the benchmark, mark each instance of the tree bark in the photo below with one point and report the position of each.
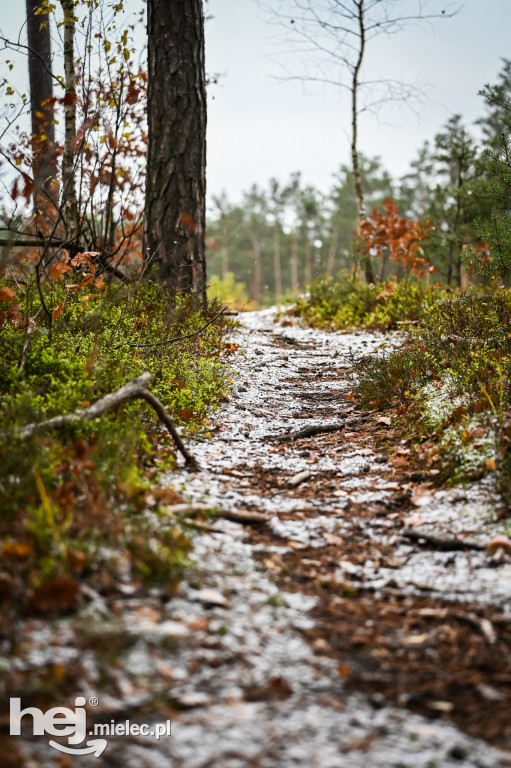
(294, 261)
(257, 278)
(41, 108)
(225, 252)
(276, 261)
(357, 176)
(332, 250)
(308, 260)
(175, 207)
(68, 156)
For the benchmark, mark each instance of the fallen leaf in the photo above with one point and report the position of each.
(7, 294)
(421, 496)
(16, 549)
(414, 520)
(55, 594)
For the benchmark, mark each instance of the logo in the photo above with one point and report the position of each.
(64, 722)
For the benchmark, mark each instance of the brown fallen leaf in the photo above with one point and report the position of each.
(414, 521)
(55, 595)
(276, 689)
(421, 496)
(16, 549)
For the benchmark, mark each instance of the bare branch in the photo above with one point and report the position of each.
(134, 389)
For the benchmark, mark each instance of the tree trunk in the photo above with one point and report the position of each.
(175, 206)
(42, 112)
(308, 260)
(68, 156)
(225, 252)
(357, 176)
(332, 251)
(276, 262)
(384, 257)
(294, 261)
(257, 279)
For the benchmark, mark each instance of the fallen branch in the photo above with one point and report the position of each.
(298, 479)
(447, 544)
(198, 508)
(134, 389)
(241, 517)
(314, 429)
(175, 338)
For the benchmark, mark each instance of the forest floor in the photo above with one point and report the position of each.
(323, 632)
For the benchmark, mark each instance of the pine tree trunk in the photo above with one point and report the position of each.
(42, 112)
(308, 261)
(357, 176)
(276, 262)
(294, 261)
(225, 252)
(176, 157)
(69, 202)
(332, 251)
(257, 279)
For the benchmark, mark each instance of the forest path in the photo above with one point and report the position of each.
(321, 638)
(328, 599)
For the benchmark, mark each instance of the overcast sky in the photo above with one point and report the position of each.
(258, 128)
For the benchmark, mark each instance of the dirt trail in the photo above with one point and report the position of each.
(323, 637)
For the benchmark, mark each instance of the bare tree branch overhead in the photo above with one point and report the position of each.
(330, 37)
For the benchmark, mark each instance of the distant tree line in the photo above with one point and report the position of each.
(281, 237)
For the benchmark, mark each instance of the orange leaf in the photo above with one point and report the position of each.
(56, 312)
(55, 594)
(7, 294)
(57, 270)
(16, 549)
(86, 280)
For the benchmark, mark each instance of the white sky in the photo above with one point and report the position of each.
(258, 128)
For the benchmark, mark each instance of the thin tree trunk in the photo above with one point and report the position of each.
(68, 156)
(294, 261)
(257, 278)
(225, 252)
(308, 260)
(332, 251)
(175, 208)
(357, 176)
(383, 263)
(42, 112)
(276, 262)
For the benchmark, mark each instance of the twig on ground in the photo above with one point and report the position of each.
(298, 479)
(132, 390)
(441, 542)
(246, 516)
(314, 429)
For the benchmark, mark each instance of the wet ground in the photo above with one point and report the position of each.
(316, 632)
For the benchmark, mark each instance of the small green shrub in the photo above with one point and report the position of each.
(351, 304)
(74, 503)
(452, 376)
